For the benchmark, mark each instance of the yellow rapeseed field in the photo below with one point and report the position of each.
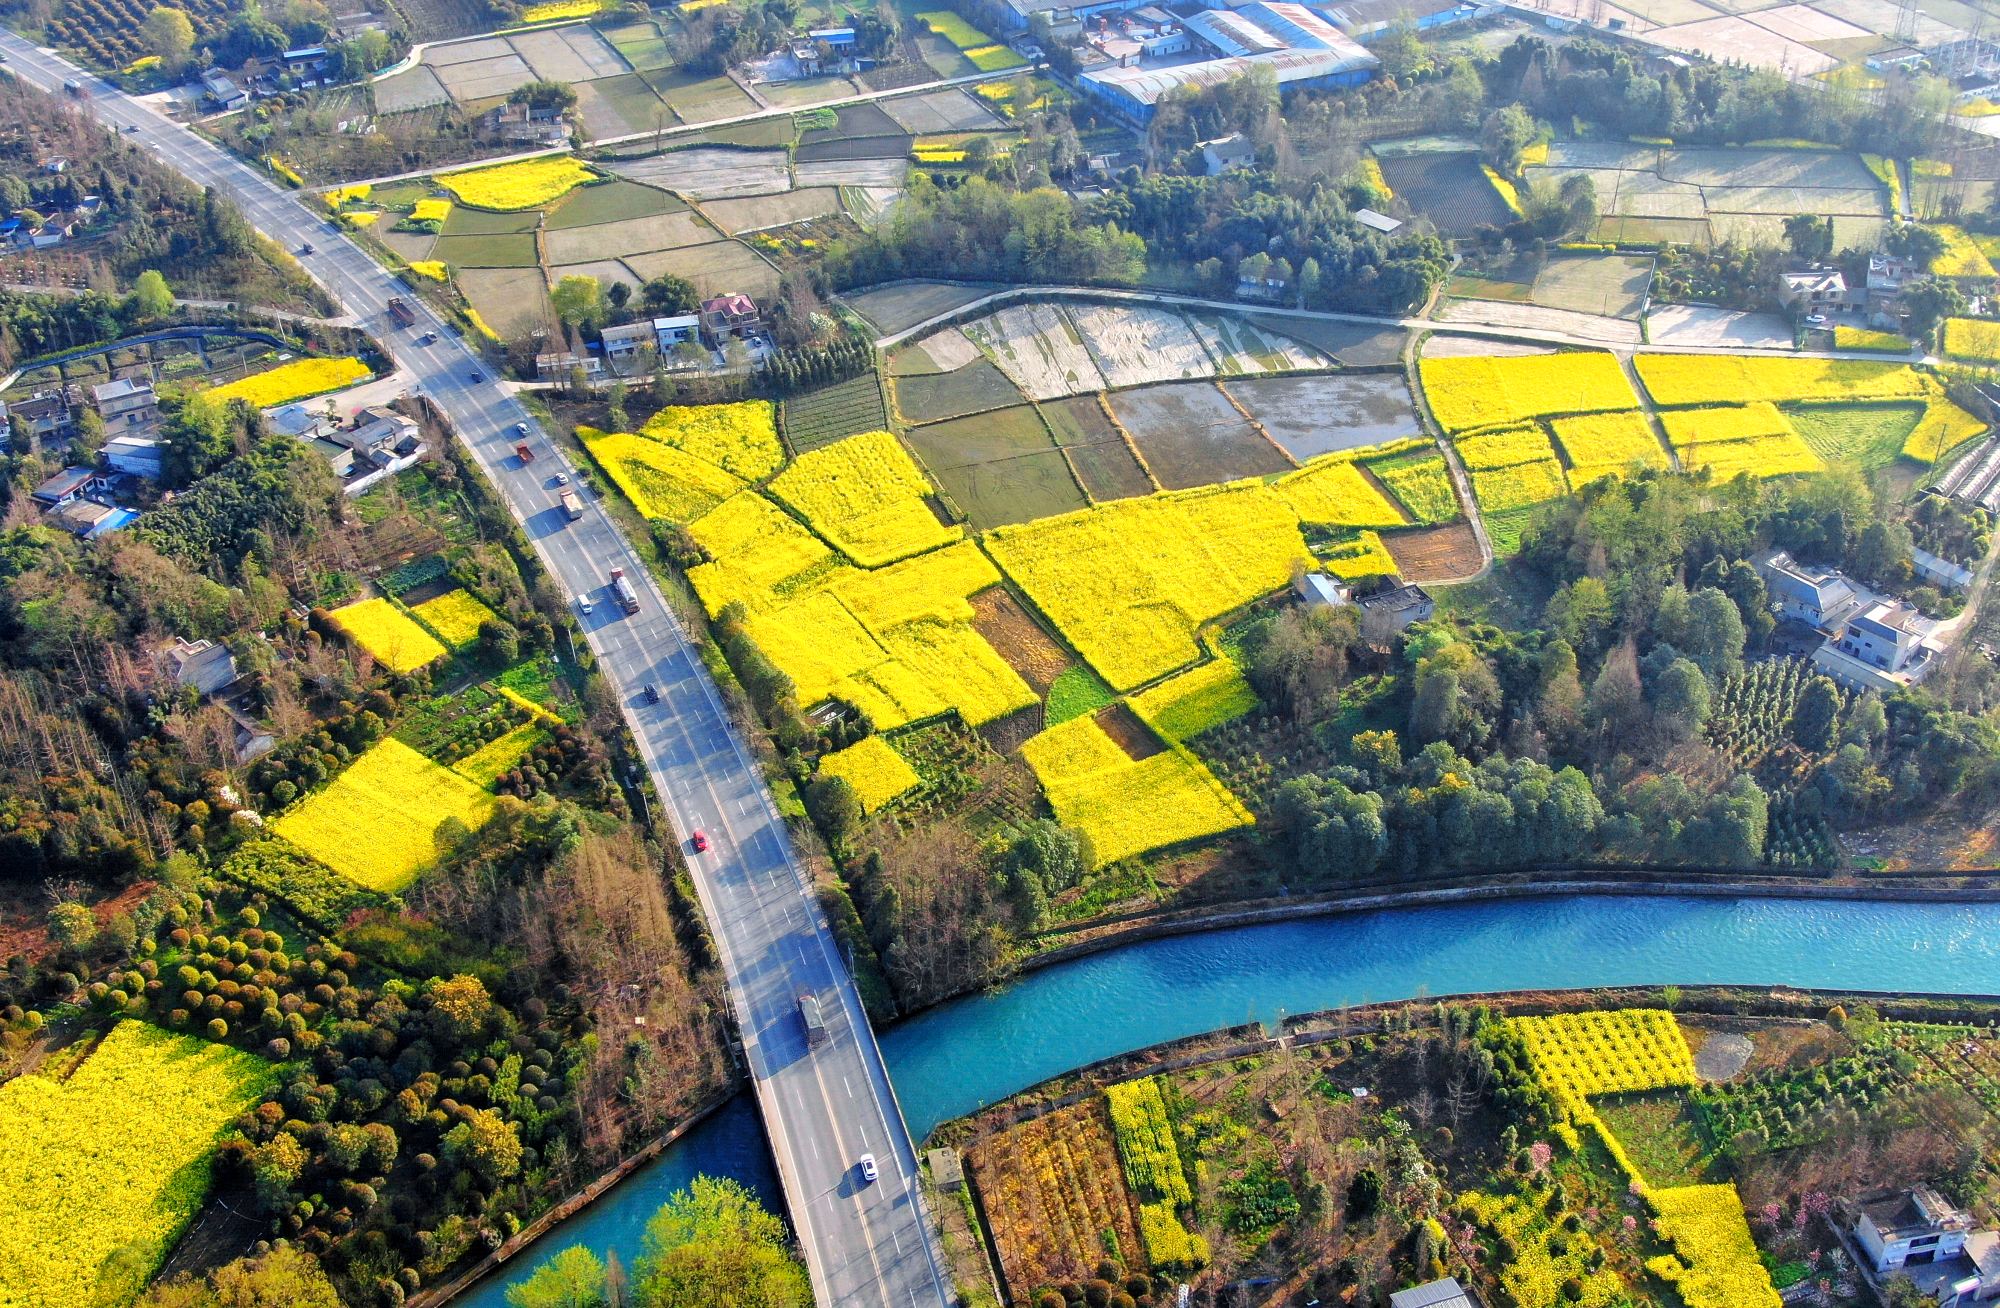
(756, 547)
(1483, 391)
(1503, 447)
(1128, 807)
(1200, 699)
(1943, 428)
(1972, 340)
(113, 1158)
(875, 770)
(388, 634)
(740, 438)
(1689, 379)
(522, 185)
(1578, 1055)
(1129, 581)
(432, 209)
(296, 380)
(1727, 440)
(1519, 486)
(866, 495)
(483, 766)
(663, 481)
(1364, 556)
(1867, 338)
(376, 823)
(1606, 444)
(1962, 256)
(1715, 1262)
(1333, 492)
(455, 616)
(560, 9)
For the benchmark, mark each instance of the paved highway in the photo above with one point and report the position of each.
(825, 1107)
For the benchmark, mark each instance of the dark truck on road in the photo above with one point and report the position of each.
(621, 589)
(400, 312)
(809, 1015)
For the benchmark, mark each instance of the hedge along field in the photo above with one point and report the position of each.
(377, 822)
(300, 379)
(388, 634)
(1477, 391)
(875, 770)
(1127, 807)
(114, 1158)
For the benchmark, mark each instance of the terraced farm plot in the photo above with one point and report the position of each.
(1240, 347)
(567, 54)
(1727, 440)
(619, 106)
(1434, 553)
(640, 44)
(1311, 416)
(610, 202)
(1421, 483)
(1357, 345)
(512, 301)
(1864, 436)
(1097, 451)
(1039, 349)
(1698, 194)
(936, 112)
(933, 397)
(1133, 345)
(697, 99)
(869, 174)
(608, 271)
(1605, 444)
(515, 250)
(400, 798)
(614, 240)
(757, 212)
(998, 467)
(1610, 284)
(413, 88)
(1473, 392)
(899, 307)
(941, 351)
(830, 413)
(1449, 189)
(1190, 435)
(710, 172)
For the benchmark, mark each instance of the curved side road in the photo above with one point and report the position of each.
(824, 1107)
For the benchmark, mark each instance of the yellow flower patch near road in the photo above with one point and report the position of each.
(432, 209)
(1519, 486)
(455, 616)
(741, 438)
(1727, 440)
(1972, 340)
(1715, 1262)
(1129, 581)
(755, 546)
(1482, 391)
(867, 496)
(1200, 699)
(875, 770)
(1333, 492)
(376, 823)
(1364, 556)
(388, 634)
(1867, 338)
(296, 380)
(1607, 444)
(1689, 379)
(115, 1158)
(435, 269)
(663, 481)
(1127, 807)
(559, 10)
(523, 185)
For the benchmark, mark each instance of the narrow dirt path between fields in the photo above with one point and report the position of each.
(1461, 481)
(1627, 362)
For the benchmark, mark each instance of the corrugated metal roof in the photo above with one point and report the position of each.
(1296, 25)
(1147, 85)
(1438, 1294)
(1233, 33)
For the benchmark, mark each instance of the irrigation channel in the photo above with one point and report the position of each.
(980, 1049)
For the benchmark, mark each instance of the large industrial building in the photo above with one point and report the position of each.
(1301, 47)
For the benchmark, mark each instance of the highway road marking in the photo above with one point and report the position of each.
(847, 1086)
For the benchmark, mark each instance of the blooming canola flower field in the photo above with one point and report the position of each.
(114, 1158)
(399, 799)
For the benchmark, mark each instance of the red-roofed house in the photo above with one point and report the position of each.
(733, 314)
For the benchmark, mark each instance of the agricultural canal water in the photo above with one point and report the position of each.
(983, 1048)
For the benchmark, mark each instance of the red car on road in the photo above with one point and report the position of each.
(700, 842)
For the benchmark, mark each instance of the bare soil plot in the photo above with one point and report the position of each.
(607, 202)
(660, 231)
(1498, 313)
(754, 213)
(1358, 345)
(1652, 231)
(413, 88)
(464, 221)
(701, 99)
(1882, 16)
(1038, 348)
(711, 172)
(1784, 201)
(480, 78)
(1434, 553)
(607, 271)
(511, 301)
(1666, 13)
(852, 121)
(1442, 346)
(1603, 154)
(1097, 449)
(1698, 324)
(974, 388)
(1016, 637)
(714, 268)
(1449, 189)
(852, 172)
(935, 112)
(409, 246)
(508, 250)
(1190, 435)
(1133, 345)
(1610, 284)
(902, 305)
(1311, 416)
(554, 59)
(948, 350)
(441, 20)
(847, 148)
(1739, 39)
(468, 52)
(1238, 346)
(1806, 24)
(619, 106)
(998, 467)
(803, 92)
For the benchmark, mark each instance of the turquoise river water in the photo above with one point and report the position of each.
(974, 1051)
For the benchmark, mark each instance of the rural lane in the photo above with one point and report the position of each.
(824, 1107)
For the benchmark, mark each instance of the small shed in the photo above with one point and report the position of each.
(947, 1171)
(1380, 222)
(1447, 1293)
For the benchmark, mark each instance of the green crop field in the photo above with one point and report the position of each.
(587, 206)
(823, 416)
(1865, 436)
(937, 396)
